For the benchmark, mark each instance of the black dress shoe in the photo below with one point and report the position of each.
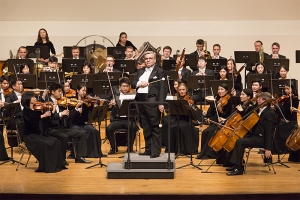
(71, 156)
(154, 156)
(112, 151)
(229, 169)
(145, 154)
(235, 172)
(82, 160)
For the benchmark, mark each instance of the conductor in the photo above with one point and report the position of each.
(151, 87)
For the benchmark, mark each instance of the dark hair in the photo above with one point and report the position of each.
(200, 41)
(88, 65)
(22, 66)
(284, 67)
(4, 78)
(39, 39)
(276, 44)
(259, 42)
(128, 47)
(55, 86)
(80, 85)
(75, 47)
(122, 33)
(110, 57)
(294, 89)
(168, 47)
(26, 98)
(178, 81)
(13, 82)
(53, 59)
(217, 45)
(259, 63)
(226, 69)
(257, 80)
(223, 85)
(124, 80)
(234, 64)
(202, 58)
(248, 92)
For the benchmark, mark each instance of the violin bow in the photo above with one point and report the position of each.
(46, 89)
(291, 94)
(212, 92)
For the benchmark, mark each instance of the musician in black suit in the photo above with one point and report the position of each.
(15, 97)
(216, 51)
(260, 136)
(76, 53)
(201, 71)
(151, 92)
(110, 61)
(183, 72)
(200, 51)
(56, 126)
(117, 121)
(258, 45)
(275, 51)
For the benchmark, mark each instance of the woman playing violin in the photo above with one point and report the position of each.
(216, 113)
(79, 118)
(68, 92)
(37, 141)
(286, 128)
(185, 129)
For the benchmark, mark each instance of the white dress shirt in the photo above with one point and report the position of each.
(144, 77)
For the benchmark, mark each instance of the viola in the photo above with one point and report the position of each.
(64, 101)
(7, 91)
(71, 93)
(39, 106)
(188, 99)
(222, 102)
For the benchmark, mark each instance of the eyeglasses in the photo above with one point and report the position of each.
(124, 85)
(148, 58)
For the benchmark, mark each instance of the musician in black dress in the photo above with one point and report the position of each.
(216, 113)
(43, 40)
(238, 86)
(46, 149)
(261, 135)
(123, 42)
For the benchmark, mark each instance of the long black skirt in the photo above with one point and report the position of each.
(47, 150)
(3, 152)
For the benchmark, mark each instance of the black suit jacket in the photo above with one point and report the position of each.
(207, 72)
(280, 56)
(159, 88)
(265, 127)
(10, 98)
(197, 55)
(114, 70)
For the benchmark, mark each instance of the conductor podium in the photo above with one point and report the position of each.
(135, 166)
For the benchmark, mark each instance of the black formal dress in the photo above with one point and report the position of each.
(261, 136)
(46, 149)
(127, 44)
(206, 151)
(49, 45)
(92, 136)
(150, 113)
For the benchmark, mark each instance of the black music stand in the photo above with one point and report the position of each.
(215, 83)
(168, 64)
(273, 65)
(98, 114)
(87, 79)
(173, 74)
(191, 60)
(246, 57)
(8, 114)
(38, 51)
(116, 52)
(191, 115)
(72, 65)
(16, 64)
(113, 76)
(102, 86)
(178, 108)
(264, 79)
(278, 85)
(297, 56)
(127, 66)
(67, 50)
(52, 76)
(215, 64)
(28, 80)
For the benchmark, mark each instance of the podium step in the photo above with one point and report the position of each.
(116, 170)
(145, 162)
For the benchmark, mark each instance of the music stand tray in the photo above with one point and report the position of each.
(215, 83)
(278, 85)
(72, 65)
(116, 52)
(127, 66)
(113, 76)
(172, 74)
(190, 60)
(88, 79)
(196, 81)
(275, 64)
(246, 56)
(28, 80)
(102, 87)
(215, 64)
(264, 79)
(52, 76)
(168, 65)
(38, 51)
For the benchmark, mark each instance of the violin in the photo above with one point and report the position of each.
(7, 91)
(222, 102)
(39, 106)
(188, 99)
(64, 101)
(71, 93)
(284, 98)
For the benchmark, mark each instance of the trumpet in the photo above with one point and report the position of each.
(207, 54)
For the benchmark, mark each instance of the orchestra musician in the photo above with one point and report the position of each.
(275, 51)
(150, 92)
(258, 45)
(200, 51)
(216, 51)
(21, 53)
(76, 52)
(43, 40)
(282, 72)
(56, 127)
(117, 121)
(24, 68)
(285, 128)
(4, 83)
(183, 72)
(167, 50)
(46, 149)
(123, 42)
(4, 86)
(261, 135)
(238, 86)
(223, 73)
(79, 118)
(129, 53)
(110, 61)
(294, 155)
(201, 71)
(260, 68)
(52, 64)
(256, 87)
(86, 69)
(216, 113)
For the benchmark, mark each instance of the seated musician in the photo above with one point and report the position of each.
(117, 121)
(201, 71)
(67, 91)
(86, 68)
(180, 123)
(200, 51)
(76, 53)
(183, 72)
(24, 68)
(216, 113)
(4, 83)
(282, 72)
(167, 50)
(52, 64)
(46, 149)
(261, 135)
(79, 118)
(285, 128)
(15, 97)
(110, 61)
(129, 53)
(216, 51)
(260, 68)
(275, 51)
(223, 73)
(176, 83)
(256, 88)
(57, 126)
(21, 53)
(238, 86)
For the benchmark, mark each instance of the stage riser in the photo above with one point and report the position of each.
(149, 165)
(140, 175)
